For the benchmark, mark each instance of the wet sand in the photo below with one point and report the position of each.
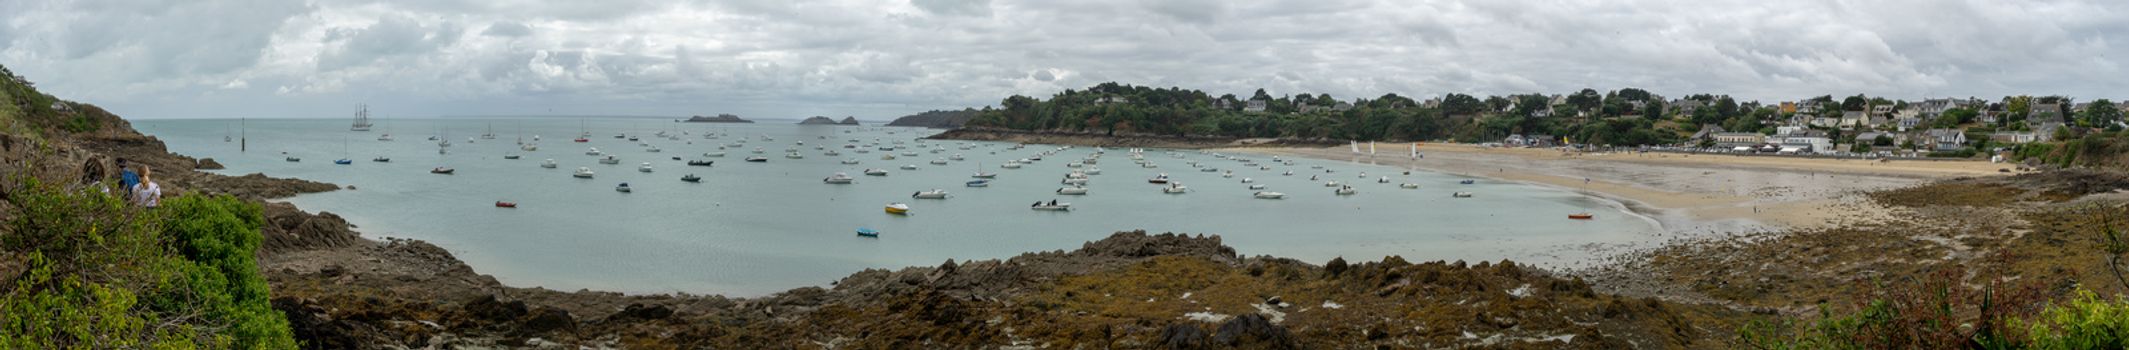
(1685, 194)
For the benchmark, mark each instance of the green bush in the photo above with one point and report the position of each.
(2087, 322)
(103, 274)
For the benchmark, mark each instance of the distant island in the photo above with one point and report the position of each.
(720, 118)
(820, 120)
(937, 119)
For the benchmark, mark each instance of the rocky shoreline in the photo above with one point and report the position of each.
(1092, 139)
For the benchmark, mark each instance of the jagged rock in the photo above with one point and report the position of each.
(488, 308)
(316, 327)
(208, 164)
(640, 312)
(1335, 267)
(1254, 331)
(547, 319)
(1183, 336)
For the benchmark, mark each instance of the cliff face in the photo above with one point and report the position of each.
(936, 119)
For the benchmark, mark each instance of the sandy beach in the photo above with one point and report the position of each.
(1685, 194)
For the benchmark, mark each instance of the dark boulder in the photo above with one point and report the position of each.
(1183, 336)
(1252, 330)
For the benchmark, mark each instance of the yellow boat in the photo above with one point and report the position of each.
(897, 208)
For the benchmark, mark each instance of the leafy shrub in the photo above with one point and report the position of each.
(2087, 322)
(102, 274)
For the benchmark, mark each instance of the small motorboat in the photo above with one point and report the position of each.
(957, 157)
(1346, 191)
(691, 178)
(909, 167)
(1288, 173)
(1248, 180)
(582, 140)
(623, 188)
(1256, 186)
(646, 167)
(867, 232)
(1581, 216)
(978, 183)
(932, 194)
(1209, 169)
(610, 160)
(898, 208)
(593, 152)
(1073, 191)
(1229, 174)
(850, 161)
(875, 172)
(582, 173)
(1175, 188)
(511, 156)
(1092, 171)
(1010, 165)
(381, 159)
(713, 154)
(1467, 182)
(1408, 186)
(1461, 195)
(676, 158)
(758, 150)
(700, 163)
(1051, 206)
(794, 155)
(758, 159)
(1269, 195)
(1159, 179)
(1074, 181)
(653, 150)
(938, 162)
(887, 157)
(1382, 180)
(443, 170)
(983, 175)
(549, 163)
(343, 161)
(292, 159)
(839, 179)
(505, 204)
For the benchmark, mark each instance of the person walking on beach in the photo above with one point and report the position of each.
(147, 193)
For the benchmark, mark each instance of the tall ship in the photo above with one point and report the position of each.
(362, 119)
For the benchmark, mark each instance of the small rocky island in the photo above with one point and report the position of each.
(720, 118)
(820, 120)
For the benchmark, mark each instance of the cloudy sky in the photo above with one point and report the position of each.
(877, 59)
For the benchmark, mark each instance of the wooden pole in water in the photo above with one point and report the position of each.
(244, 142)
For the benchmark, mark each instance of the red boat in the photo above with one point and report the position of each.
(580, 139)
(503, 204)
(1582, 216)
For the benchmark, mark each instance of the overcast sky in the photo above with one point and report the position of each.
(877, 59)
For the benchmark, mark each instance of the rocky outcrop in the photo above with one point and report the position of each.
(207, 164)
(290, 229)
(720, 118)
(848, 121)
(817, 120)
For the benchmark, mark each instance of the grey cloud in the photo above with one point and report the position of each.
(507, 29)
(980, 8)
(1043, 75)
(390, 36)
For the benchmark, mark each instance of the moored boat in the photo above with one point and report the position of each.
(1268, 195)
(700, 163)
(505, 204)
(898, 208)
(978, 183)
(839, 179)
(623, 188)
(868, 232)
(691, 178)
(582, 173)
(1581, 216)
(1461, 195)
(610, 160)
(646, 167)
(758, 159)
(443, 170)
(876, 172)
(1158, 179)
(1073, 191)
(931, 194)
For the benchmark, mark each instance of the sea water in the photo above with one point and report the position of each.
(757, 228)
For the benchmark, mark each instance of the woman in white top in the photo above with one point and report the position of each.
(147, 193)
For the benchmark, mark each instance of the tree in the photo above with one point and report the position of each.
(2100, 113)
(1260, 95)
(1725, 107)
(1854, 103)
(1461, 104)
(1587, 99)
(1882, 140)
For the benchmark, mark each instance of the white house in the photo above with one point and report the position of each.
(1946, 139)
(1254, 106)
(1807, 141)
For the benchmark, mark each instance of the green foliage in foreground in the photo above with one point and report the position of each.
(2086, 322)
(99, 273)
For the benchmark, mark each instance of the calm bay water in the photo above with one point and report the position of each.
(757, 228)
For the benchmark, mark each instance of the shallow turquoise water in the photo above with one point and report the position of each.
(757, 228)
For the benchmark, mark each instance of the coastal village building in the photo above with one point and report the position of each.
(1254, 106)
(2013, 137)
(1806, 142)
(1872, 137)
(1910, 123)
(1739, 139)
(1946, 139)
